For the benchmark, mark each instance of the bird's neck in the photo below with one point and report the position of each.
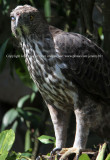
(42, 45)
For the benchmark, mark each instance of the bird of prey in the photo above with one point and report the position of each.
(71, 72)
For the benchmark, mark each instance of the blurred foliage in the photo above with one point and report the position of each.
(47, 9)
(100, 32)
(2, 52)
(7, 139)
(21, 70)
(32, 117)
(108, 157)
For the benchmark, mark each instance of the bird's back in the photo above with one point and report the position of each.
(88, 65)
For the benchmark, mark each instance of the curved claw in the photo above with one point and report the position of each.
(53, 152)
(38, 158)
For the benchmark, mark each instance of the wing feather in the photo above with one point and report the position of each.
(88, 65)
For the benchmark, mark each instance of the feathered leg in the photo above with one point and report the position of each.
(60, 121)
(82, 131)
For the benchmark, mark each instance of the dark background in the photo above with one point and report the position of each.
(88, 17)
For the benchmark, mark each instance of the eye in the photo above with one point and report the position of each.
(13, 18)
(31, 17)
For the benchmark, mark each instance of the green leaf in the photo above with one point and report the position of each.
(108, 157)
(101, 153)
(4, 2)
(8, 118)
(100, 31)
(32, 109)
(47, 9)
(23, 64)
(2, 52)
(7, 138)
(33, 95)
(27, 140)
(13, 156)
(22, 101)
(3, 155)
(84, 157)
(22, 71)
(19, 156)
(26, 154)
(46, 139)
(33, 86)
(14, 126)
(32, 2)
(29, 116)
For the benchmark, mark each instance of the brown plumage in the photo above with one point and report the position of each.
(71, 72)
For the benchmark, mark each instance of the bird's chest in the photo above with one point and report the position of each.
(46, 73)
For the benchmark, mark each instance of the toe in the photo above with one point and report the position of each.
(67, 153)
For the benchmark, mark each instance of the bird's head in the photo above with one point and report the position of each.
(26, 20)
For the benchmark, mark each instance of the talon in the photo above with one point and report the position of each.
(38, 158)
(54, 151)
